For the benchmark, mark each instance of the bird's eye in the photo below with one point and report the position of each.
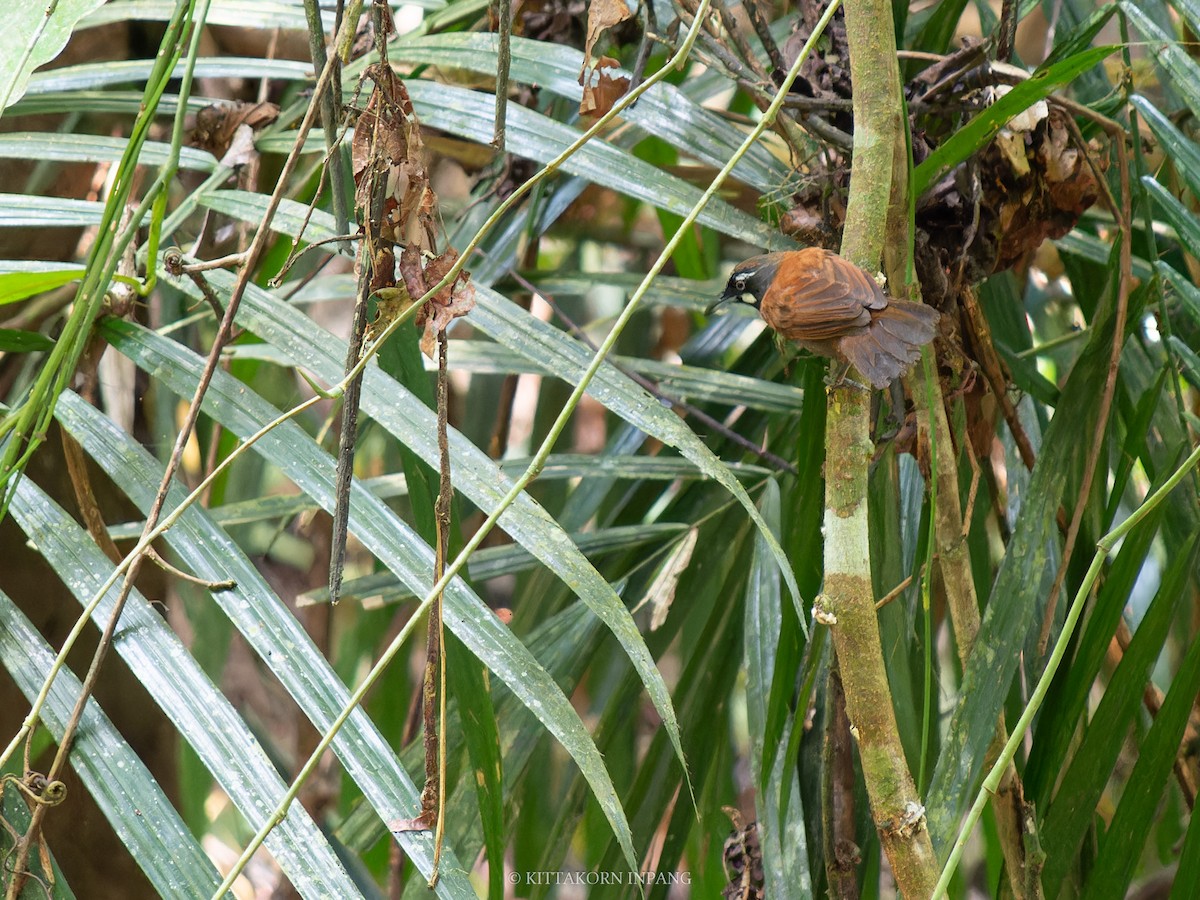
(740, 283)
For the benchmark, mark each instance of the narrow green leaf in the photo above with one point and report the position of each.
(118, 781)
(468, 114)
(15, 286)
(24, 211)
(1187, 876)
(1070, 44)
(1171, 56)
(120, 103)
(558, 467)
(1188, 293)
(1091, 248)
(95, 75)
(467, 679)
(494, 562)
(1017, 598)
(205, 719)
(28, 45)
(264, 14)
(677, 381)
(1065, 822)
(664, 110)
(13, 340)
(289, 219)
(92, 148)
(940, 27)
(781, 832)
(1176, 213)
(1180, 149)
(476, 476)
(1120, 847)
(1189, 359)
(507, 324)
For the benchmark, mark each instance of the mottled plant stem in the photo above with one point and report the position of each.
(847, 603)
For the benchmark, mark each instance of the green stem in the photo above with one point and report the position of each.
(28, 425)
(847, 602)
(1103, 547)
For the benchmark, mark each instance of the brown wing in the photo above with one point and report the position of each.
(818, 296)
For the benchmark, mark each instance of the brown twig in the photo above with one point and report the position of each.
(330, 100)
(993, 372)
(433, 684)
(649, 25)
(755, 86)
(294, 257)
(739, 40)
(842, 854)
(809, 104)
(1124, 218)
(85, 498)
(894, 592)
(348, 431)
(375, 254)
(763, 29)
(434, 650)
(1006, 30)
(503, 10)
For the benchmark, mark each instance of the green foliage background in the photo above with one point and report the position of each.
(564, 745)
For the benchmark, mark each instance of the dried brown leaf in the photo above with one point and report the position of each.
(599, 98)
(390, 304)
(603, 15)
(462, 301)
(423, 822)
(216, 125)
(661, 593)
(412, 273)
(387, 149)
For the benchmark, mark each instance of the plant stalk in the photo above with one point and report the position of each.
(847, 603)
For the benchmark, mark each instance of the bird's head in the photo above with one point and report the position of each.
(749, 281)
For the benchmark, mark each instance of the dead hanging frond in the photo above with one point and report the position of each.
(388, 156)
(600, 89)
(398, 209)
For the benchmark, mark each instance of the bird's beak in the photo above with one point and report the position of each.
(726, 297)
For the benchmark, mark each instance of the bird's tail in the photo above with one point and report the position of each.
(890, 345)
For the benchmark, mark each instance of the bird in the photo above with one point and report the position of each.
(835, 309)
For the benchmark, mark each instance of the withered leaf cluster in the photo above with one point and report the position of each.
(399, 208)
(988, 215)
(600, 89)
(387, 152)
(1032, 182)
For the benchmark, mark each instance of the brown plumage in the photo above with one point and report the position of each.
(835, 309)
